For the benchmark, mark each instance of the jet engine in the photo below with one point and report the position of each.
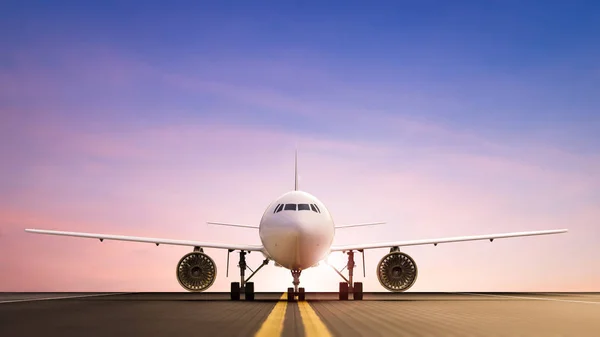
(397, 271)
(196, 271)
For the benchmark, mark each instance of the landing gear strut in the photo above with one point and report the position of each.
(295, 291)
(296, 275)
(243, 286)
(349, 286)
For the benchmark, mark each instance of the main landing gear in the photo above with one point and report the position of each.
(243, 286)
(350, 287)
(295, 291)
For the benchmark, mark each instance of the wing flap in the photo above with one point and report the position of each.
(443, 240)
(156, 241)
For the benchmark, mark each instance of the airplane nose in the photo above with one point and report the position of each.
(310, 242)
(297, 243)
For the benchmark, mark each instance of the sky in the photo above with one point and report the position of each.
(442, 119)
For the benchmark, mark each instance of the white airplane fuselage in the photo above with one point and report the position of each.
(298, 234)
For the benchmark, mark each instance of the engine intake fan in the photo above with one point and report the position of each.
(397, 271)
(196, 271)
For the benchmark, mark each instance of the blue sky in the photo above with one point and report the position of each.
(421, 104)
(504, 67)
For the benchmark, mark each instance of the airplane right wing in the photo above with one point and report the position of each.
(156, 241)
(231, 224)
(434, 242)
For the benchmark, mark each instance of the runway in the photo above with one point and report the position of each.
(379, 314)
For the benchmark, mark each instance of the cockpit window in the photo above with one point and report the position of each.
(298, 207)
(317, 207)
(303, 207)
(290, 207)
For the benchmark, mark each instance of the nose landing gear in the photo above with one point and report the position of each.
(295, 291)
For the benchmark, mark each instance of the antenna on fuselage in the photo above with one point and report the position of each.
(296, 171)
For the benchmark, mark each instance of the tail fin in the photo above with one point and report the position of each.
(296, 171)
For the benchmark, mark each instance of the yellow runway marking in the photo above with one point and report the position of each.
(273, 325)
(313, 326)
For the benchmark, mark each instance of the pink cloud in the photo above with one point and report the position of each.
(231, 173)
(167, 181)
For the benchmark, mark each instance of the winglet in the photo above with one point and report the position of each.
(296, 171)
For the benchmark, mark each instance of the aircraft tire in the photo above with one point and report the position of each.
(301, 294)
(249, 291)
(235, 291)
(290, 294)
(358, 291)
(343, 291)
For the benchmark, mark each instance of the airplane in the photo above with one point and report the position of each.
(296, 231)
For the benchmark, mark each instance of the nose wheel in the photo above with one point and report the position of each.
(296, 292)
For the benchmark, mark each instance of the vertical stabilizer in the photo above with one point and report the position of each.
(296, 171)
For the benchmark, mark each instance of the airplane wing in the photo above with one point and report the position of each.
(435, 242)
(359, 225)
(231, 224)
(155, 241)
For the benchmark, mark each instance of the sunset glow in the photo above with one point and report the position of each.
(117, 124)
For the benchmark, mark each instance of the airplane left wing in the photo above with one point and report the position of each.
(359, 225)
(156, 241)
(435, 242)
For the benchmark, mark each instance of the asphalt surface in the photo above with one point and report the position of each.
(380, 314)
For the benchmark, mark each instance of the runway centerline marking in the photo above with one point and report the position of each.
(313, 326)
(531, 298)
(59, 298)
(273, 325)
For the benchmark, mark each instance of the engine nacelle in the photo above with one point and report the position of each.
(397, 271)
(196, 271)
